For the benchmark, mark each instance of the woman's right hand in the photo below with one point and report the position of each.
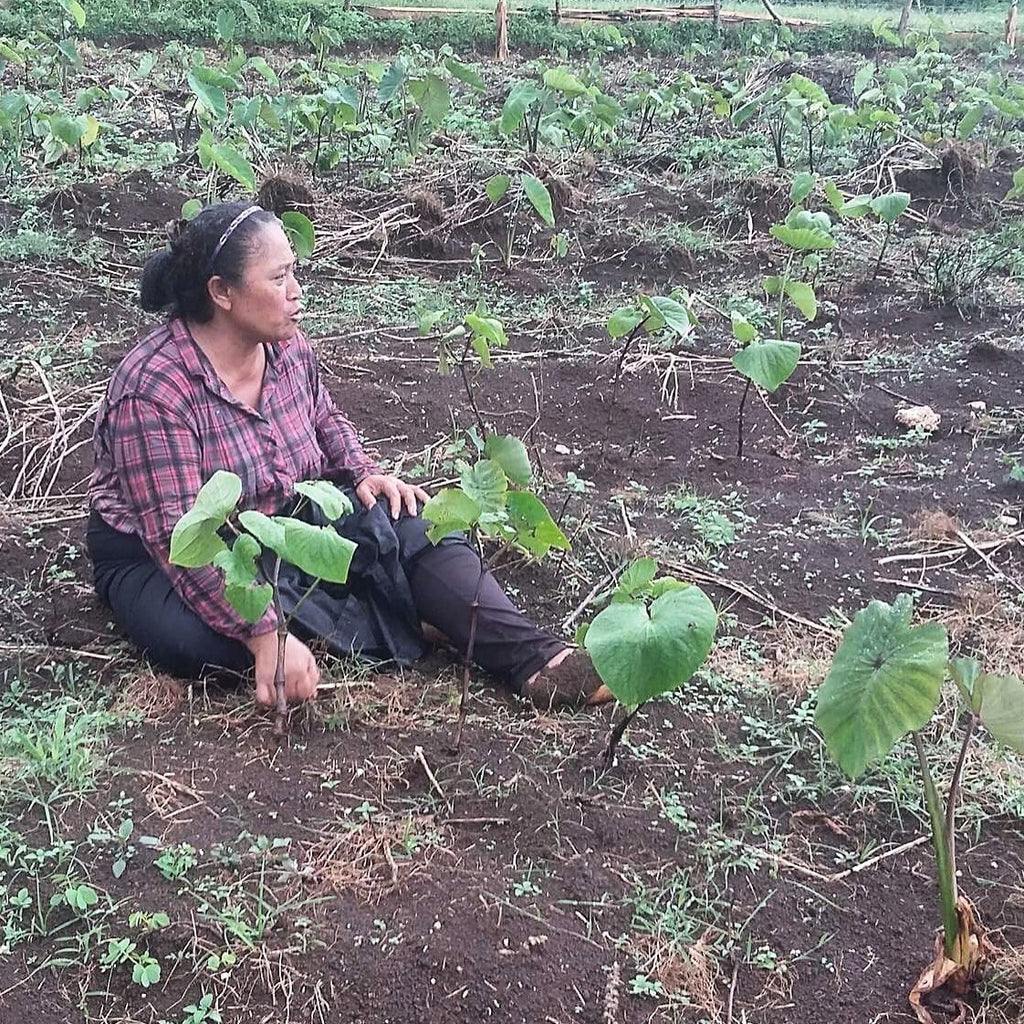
(301, 673)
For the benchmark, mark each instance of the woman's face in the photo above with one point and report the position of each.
(266, 303)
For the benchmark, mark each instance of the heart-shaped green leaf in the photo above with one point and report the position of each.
(332, 501)
(1001, 708)
(884, 682)
(510, 453)
(450, 511)
(767, 363)
(535, 530)
(640, 652)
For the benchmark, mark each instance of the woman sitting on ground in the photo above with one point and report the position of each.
(230, 382)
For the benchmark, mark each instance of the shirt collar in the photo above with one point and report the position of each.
(195, 362)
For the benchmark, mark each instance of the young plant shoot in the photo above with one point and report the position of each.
(885, 683)
(653, 636)
(489, 504)
(319, 551)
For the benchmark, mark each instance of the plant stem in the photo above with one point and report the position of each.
(469, 388)
(944, 865)
(881, 252)
(617, 376)
(467, 662)
(608, 754)
(739, 437)
(953, 797)
(281, 709)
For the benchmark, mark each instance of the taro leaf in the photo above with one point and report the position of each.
(332, 501)
(535, 530)
(318, 550)
(510, 453)
(250, 602)
(624, 320)
(250, 12)
(742, 329)
(864, 77)
(966, 125)
(485, 332)
(767, 363)
(540, 198)
(210, 90)
(485, 482)
(834, 196)
(802, 296)
(299, 229)
(268, 74)
(238, 563)
(92, 129)
(227, 23)
(432, 97)
(233, 164)
(392, 81)
(239, 567)
(194, 540)
(497, 186)
(75, 11)
(450, 511)
(68, 130)
(641, 652)
(1002, 709)
(672, 314)
(520, 97)
(564, 81)
(744, 113)
(884, 682)
(636, 579)
(268, 530)
(965, 673)
(806, 239)
(803, 185)
(464, 73)
(890, 206)
(855, 207)
(1017, 189)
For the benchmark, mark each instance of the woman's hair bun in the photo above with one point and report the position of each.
(157, 288)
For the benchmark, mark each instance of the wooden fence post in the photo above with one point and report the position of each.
(501, 31)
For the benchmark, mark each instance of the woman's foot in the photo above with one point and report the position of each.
(568, 680)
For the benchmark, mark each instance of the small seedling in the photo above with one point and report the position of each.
(319, 551)
(489, 504)
(653, 636)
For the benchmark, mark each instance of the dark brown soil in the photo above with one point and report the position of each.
(511, 881)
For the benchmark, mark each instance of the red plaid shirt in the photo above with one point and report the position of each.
(168, 423)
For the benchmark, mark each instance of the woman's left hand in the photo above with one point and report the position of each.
(399, 495)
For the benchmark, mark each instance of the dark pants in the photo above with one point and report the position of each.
(443, 581)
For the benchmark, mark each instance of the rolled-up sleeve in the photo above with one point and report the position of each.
(158, 459)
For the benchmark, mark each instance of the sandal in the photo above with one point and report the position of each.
(571, 683)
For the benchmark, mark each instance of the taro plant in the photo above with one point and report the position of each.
(510, 193)
(651, 638)
(665, 317)
(559, 110)
(769, 362)
(887, 208)
(884, 684)
(251, 575)
(491, 502)
(477, 332)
